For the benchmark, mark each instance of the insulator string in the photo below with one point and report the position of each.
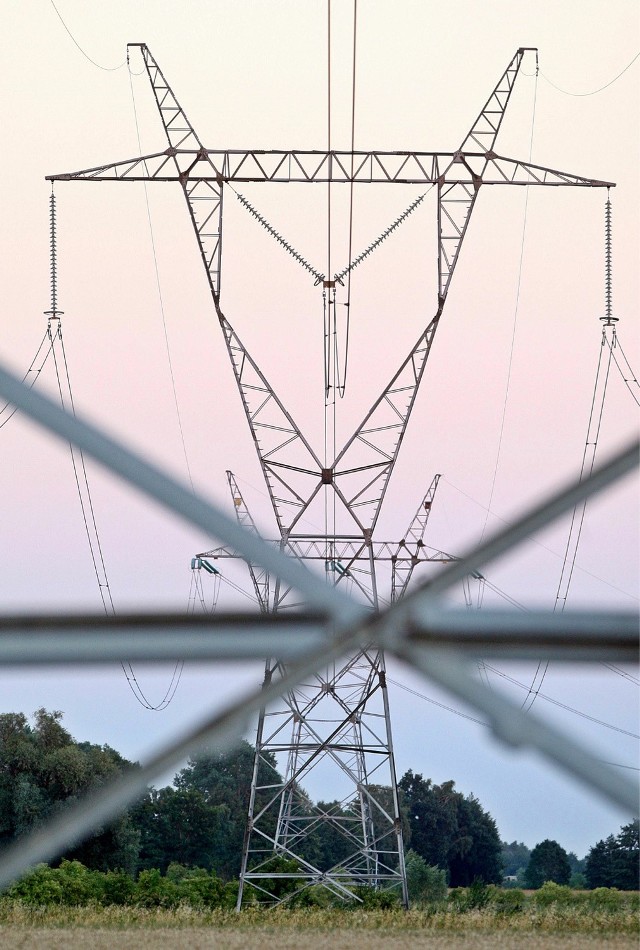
(607, 259)
(278, 237)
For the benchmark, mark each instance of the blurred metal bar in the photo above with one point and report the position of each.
(536, 519)
(103, 805)
(200, 512)
(154, 638)
(519, 729)
(576, 636)
(508, 722)
(353, 627)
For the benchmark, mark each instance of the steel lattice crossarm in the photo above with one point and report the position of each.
(203, 172)
(313, 548)
(378, 167)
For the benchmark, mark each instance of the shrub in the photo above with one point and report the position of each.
(552, 893)
(79, 886)
(605, 898)
(154, 890)
(508, 901)
(230, 895)
(478, 895)
(426, 884)
(41, 887)
(201, 888)
(375, 900)
(118, 888)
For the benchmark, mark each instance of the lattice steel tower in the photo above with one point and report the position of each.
(339, 720)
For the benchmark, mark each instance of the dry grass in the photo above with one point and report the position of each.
(75, 927)
(193, 938)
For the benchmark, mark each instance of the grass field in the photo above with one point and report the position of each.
(551, 929)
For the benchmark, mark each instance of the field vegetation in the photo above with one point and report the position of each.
(60, 905)
(171, 864)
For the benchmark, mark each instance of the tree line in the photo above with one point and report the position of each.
(199, 821)
(613, 862)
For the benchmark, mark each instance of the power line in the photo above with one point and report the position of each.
(624, 673)
(108, 69)
(515, 321)
(535, 541)
(341, 390)
(82, 480)
(633, 378)
(594, 91)
(32, 381)
(160, 298)
(514, 682)
(434, 702)
(561, 705)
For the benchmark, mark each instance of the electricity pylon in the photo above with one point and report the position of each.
(339, 719)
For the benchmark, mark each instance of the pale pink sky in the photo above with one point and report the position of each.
(254, 74)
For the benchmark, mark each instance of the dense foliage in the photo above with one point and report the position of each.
(42, 769)
(515, 857)
(615, 862)
(452, 831)
(73, 896)
(199, 823)
(548, 862)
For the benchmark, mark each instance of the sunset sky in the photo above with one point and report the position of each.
(254, 74)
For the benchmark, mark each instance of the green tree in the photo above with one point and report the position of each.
(452, 832)
(548, 862)
(615, 862)
(42, 768)
(432, 817)
(181, 826)
(514, 857)
(201, 822)
(476, 853)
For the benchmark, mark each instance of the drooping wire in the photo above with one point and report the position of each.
(632, 378)
(92, 533)
(588, 456)
(434, 702)
(329, 136)
(588, 462)
(514, 682)
(624, 673)
(595, 91)
(329, 326)
(161, 301)
(108, 69)
(515, 320)
(482, 666)
(54, 333)
(30, 378)
(575, 529)
(567, 708)
(196, 593)
(347, 304)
